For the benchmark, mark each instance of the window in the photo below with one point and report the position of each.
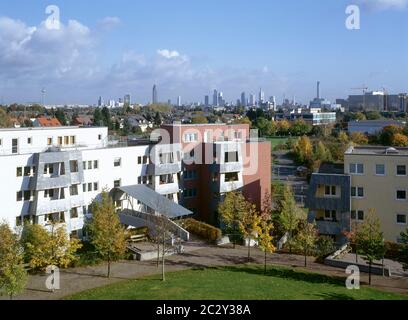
(89, 165)
(116, 183)
(73, 140)
(27, 195)
(330, 215)
(14, 146)
(66, 140)
(401, 170)
(117, 162)
(357, 215)
(49, 193)
(49, 141)
(89, 187)
(231, 177)
(190, 193)
(1, 142)
(356, 168)
(191, 137)
(74, 166)
(74, 213)
(401, 194)
(165, 179)
(60, 141)
(96, 164)
(19, 172)
(190, 175)
(401, 219)
(357, 192)
(19, 196)
(84, 187)
(231, 156)
(330, 190)
(73, 190)
(145, 160)
(19, 221)
(96, 186)
(29, 140)
(99, 137)
(139, 160)
(27, 171)
(380, 169)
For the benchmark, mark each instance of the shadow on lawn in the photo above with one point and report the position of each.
(288, 274)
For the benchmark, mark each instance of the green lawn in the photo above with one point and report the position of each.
(275, 141)
(235, 283)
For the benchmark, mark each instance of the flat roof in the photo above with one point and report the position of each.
(46, 128)
(377, 150)
(156, 201)
(202, 124)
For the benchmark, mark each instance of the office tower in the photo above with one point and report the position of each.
(221, 101)
(179, 101)
(252, 100)
(215, 98)
(100, 102)
(318, 90)
(155, 95)
(261, 96)
(127, 100)
(243, 99)
(169, 102)
(206, 101)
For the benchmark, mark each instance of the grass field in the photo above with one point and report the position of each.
(275, 141)
(235, 283)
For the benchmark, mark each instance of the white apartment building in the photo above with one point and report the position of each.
(54, 174)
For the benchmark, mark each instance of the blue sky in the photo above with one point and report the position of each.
(188, 48)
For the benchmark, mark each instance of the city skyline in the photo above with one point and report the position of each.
(109, 52)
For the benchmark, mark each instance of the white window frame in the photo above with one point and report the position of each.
(380, 174)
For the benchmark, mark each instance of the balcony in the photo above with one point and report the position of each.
(329, 227)
(227, 167)
(163, 169)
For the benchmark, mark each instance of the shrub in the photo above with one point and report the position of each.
(324, 247)
(392, 250)
(202, 230)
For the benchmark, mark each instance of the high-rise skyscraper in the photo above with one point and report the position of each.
(221, 99)
(252, 100)
(261, 96)
(127, 100)
(243, 99)
(206, 101)
(100, 102)
(155, 97)
(179, 101)
(215, 98)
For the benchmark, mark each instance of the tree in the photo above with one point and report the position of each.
(199, 120)
(359, 138)
(106, 232)
(373, 115)
(403, 252)
(98, 119)
(303, 150)
(60, 115)
(343, 138)
(106, 117)
(4, 119)
(322, 153)
(249, 225)
(265, 228)
(13, 277)
(158, 119)
(399, 140)
(300, 128)
(324, 247)
(43, 248)
(290, 214)
(306, 238)
(388, 133)
(370, 240)
(283, 127)
(231, 211)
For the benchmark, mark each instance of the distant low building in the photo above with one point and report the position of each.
(46, 122)
(83, 121)
(372, 127)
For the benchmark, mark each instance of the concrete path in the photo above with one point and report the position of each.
(79, 279)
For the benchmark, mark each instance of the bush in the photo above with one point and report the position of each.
(202, 230)
(324, 247)
(392, 250)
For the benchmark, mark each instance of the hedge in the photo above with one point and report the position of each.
(202, 230)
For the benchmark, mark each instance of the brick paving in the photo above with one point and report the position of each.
(79, 279)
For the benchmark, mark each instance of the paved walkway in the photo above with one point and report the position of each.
(79, 279)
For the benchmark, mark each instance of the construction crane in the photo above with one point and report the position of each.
(365, 89)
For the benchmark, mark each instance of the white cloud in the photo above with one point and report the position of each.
(169, 54)
(384, 4)
(109, 22)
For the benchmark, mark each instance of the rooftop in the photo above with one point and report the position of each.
(46, 128)
(377, 150)
(331, 168)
